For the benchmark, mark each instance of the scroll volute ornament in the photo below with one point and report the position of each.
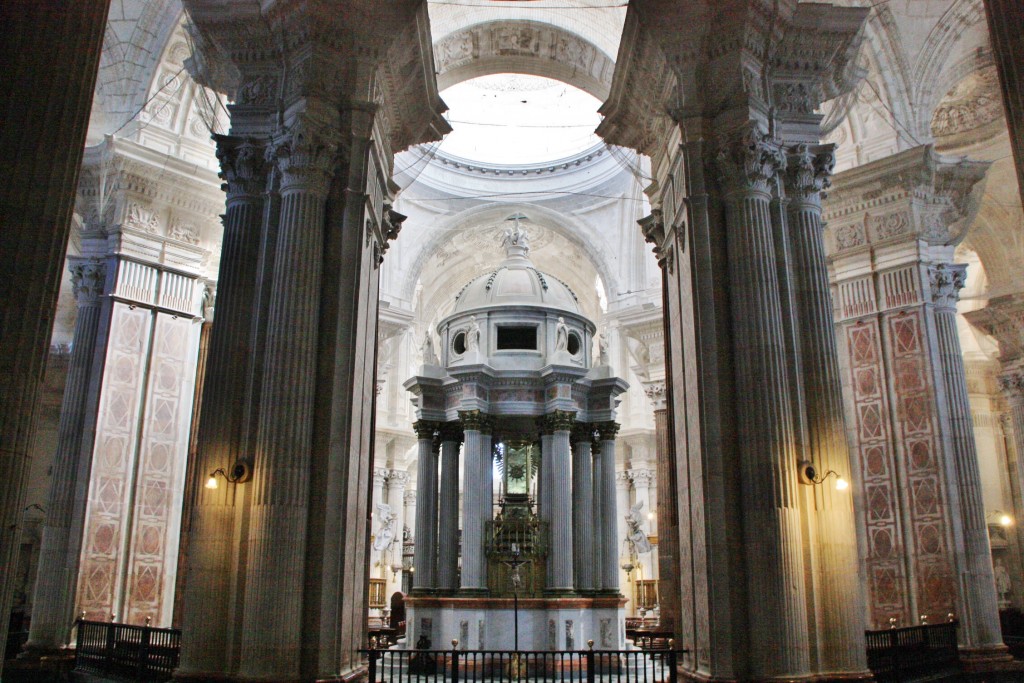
(305, 154)
(748, 158)
(242, 166)
(809, 170)
(946, 281)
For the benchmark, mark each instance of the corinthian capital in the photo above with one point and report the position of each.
(947, 279)
(88, 279)
(242, 167)
(809, 170)
(748, 158)
(1012, 384)
(305, 155)
(657, 394)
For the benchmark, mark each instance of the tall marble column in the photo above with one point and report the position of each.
(37, 199)
(597, 505)
(448, 517)
(560, 559)
(749, 161)
(54, 602)
(271, 639)
(476, 500)
(213, 531)
(545, 484)
(668, 521)
(604, 491)
(981, 623)
(583, 506)
(839, 591)
(425, 554)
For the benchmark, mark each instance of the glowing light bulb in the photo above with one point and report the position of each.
(842, 484)
(211, 483)
(1006, 520)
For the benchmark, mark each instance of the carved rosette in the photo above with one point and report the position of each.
(809, 171)
(88, 279)
(607, 430)
(657, 394)
(242, 165)
(305, 156)
(748, 159)
(947, 279)
(559, 421)
(1011, 383)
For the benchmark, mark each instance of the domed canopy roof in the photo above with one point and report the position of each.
(516, 282)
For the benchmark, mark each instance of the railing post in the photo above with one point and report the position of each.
(672, 674)
(591, 673)
(109, 649)
(373, 664)
(142, 666)
(455, 660)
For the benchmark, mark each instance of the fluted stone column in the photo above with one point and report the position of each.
(597, 505)
(41, 40)
(668, 524)
(583, 506)
(476, 500)
(749, 162)
(560, 564)
(271, 641)
(839, 591)
(604, 490)
(425, 554)
(448, 519)
(56, 583)
(544, 494)
(226, 413)
(981, 623)
(1011, 381)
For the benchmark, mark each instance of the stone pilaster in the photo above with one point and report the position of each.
(271, 638)
(227, 416)
(560, 558)
(749, 161)
(668, 520)
(476, 500)
(448, 516)
(583, 506)
(839, 593)
(425, 557)
(37, 202)
(54, 602)
(980, 623)
(604, 494)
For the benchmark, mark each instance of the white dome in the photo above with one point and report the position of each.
(516, 282)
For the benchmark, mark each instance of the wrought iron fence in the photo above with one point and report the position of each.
(899, 655)
(141, 653)
(470, 666)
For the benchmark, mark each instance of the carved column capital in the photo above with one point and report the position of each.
(809, 171)
(380, 475)
(559, 421)
(582, 432)
(748, 158)
(642, 478)
(452, 431)
(399, 478)
(410, 497)
(425, 429)
(475, 420)
(653, 229)
(657, 394)
(607, 430)
(88, 280)
(946, 280)
(242, 165)
(1011, 382)
(305, 156)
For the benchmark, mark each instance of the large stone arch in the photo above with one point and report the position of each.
(523, 47)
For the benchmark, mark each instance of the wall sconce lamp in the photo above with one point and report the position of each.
(1004, 520)
(809, 475)
(240, 473)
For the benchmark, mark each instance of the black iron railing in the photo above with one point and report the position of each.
(470, 666)
(898, 655)
(141, 653)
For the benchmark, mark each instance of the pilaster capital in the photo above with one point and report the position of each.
(657, 393)
(305, 155)
(88, 280)
(1011, 382)
(425, 429)
(242, 165)
(748, 158)
(946, 280)
(474, 420)
(809, 171)
(607, 430)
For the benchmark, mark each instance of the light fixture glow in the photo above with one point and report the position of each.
(842, 484)
(211, 483)
(1006, 520)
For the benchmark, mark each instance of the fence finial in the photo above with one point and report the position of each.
(590, 644)
(455, 643)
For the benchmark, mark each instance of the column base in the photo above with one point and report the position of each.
(54, 666)
(989, 659)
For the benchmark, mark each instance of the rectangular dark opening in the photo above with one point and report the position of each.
(517, 338)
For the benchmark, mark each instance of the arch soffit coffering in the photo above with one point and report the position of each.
(527, 47)
(568, 227)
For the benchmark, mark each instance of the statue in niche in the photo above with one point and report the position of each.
(602, 350)
(635, 535)
(429, 356)
(1003, 585)
(561, 335)
(387, 527)
(473, 335)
